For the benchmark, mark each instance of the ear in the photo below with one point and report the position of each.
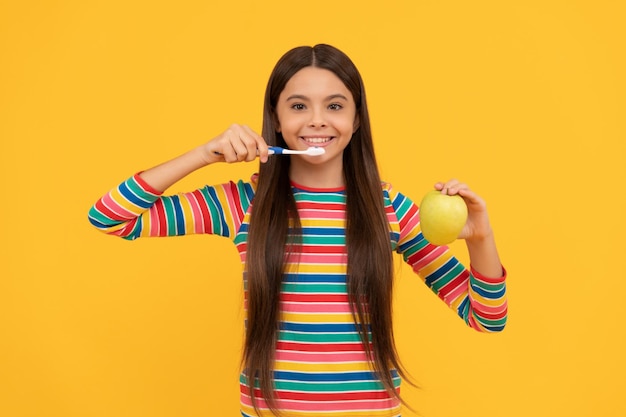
(357, 123)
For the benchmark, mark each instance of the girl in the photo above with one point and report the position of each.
(316, 236)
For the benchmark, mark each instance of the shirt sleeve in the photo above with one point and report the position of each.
(134, 209)
(480, 301)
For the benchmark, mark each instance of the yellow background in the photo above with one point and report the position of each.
(525, 101)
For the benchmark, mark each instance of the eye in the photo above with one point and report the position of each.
(298, 106)
(335, 106)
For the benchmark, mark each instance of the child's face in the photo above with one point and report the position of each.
(316, 109)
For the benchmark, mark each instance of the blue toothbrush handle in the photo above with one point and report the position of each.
(272, 150)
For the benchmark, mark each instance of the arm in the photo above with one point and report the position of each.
(136, 207)
(478, 299)
(236, 144)
(133, 209)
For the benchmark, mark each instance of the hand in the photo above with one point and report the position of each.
(237, 144)
(477, 226)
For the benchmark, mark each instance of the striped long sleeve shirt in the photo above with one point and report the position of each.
(321, 368)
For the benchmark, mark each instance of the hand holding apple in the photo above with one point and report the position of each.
(453, 211)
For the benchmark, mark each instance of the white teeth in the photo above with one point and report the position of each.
(316, 140)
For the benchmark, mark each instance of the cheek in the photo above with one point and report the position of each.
(283, 119)
(347, 124)
(287, 126)
(292, 125)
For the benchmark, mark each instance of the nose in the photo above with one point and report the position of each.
(317, 118)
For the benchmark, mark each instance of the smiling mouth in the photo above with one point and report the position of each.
(317, 141)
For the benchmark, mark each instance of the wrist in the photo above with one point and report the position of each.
(480, 238)
(484, 255)
(205, 155)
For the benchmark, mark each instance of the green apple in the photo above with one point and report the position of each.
(442, 217)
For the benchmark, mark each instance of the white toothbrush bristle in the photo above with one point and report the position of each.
(314, 150)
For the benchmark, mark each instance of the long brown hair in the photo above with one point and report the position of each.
(275, 228)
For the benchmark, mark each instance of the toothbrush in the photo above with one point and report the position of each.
(313, 151)
(276, 150)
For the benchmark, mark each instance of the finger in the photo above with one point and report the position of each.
(241, 149)
(232, 148)
(221, 150)
(471, 198)
(230, 153)
(455, 187)
(260, 146)
(249, 139)
(447, 186)
(244, 143)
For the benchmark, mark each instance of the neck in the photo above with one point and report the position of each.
(326, 175)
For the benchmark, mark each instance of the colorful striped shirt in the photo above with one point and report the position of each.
(320, 365)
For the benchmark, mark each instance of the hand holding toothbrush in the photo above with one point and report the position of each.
(240, 143)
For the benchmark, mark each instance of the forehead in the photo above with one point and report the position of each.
(315, 82)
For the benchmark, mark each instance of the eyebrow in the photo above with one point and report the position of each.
(302, 97)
